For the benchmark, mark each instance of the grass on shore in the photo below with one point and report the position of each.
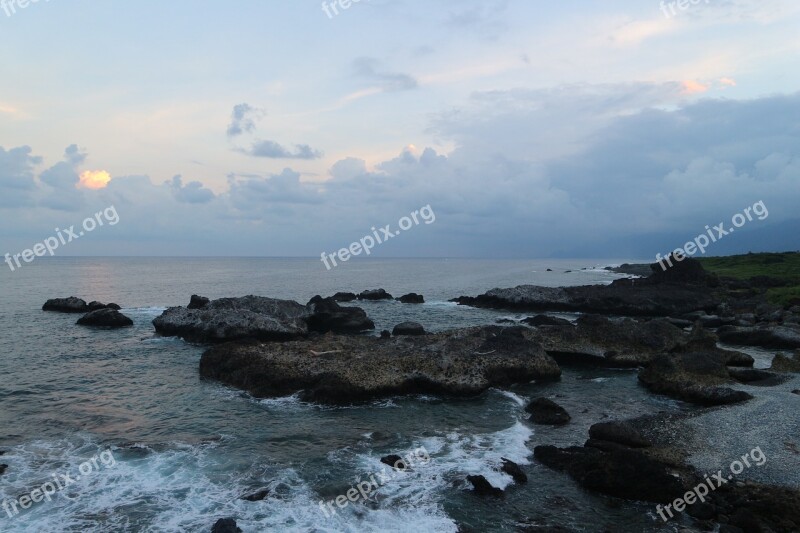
(781, 266)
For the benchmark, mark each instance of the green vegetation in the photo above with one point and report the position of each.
(778, 266)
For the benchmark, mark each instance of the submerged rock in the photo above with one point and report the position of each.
(105, 318)
(482, 487)
(622, 473)
(3, 469)
(257, 496)
(547, 412)
(544, 320)
(344, 369)
(514, 470)
(395, 461)
(72, 304)
(226, 525)
(408, 328)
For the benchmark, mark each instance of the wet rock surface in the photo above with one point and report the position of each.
(547, 412)
(72, 304)
(696, 377)
(342, 370)
(227, 319)
(105, 318)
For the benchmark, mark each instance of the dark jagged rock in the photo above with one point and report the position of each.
(408, 328)
(226, 319)
(623, 473)
(766, 336)
(620, 433)
(412, 298)
(395, 461)
(757, 378)
(695, 377)
(113, 306)
(3, 469)
(547, 412)
(482, 487)
(375, 294)
(786, 363)
(514, 470)
(796, 391)
(753, 507)
(198, 302)
(625, 343)
(226, 525)
(348, 369)
(66, 305)
(257, 496)
(94, 306)
(105, 318)
(386, 334)
(327, 315)
(344, 296)
(544, 320)
(680, 290)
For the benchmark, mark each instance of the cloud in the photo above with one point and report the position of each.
(273, 150)
(94, 179)
(17, 176)
(368, 68)
(191, 193)
(243, 119)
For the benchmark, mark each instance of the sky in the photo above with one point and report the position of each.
(532, 129)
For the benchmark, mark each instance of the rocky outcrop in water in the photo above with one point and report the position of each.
(786, 363)
(227, 319)
(327, 315)
(482, 487)
(621, 472)
(375, 294)
(767, 336)
(676, 292)
(412, 298)
(105, 318)
(260, 318)
(72, 304)
(409, 328)
(342, 370)
(693, 377)
(226, 525)
(625, 343)
(547, 412)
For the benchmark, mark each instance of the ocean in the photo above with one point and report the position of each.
(185, 450)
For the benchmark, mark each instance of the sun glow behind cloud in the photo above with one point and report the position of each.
(94, 179)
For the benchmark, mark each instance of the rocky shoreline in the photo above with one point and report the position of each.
(667, 327)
